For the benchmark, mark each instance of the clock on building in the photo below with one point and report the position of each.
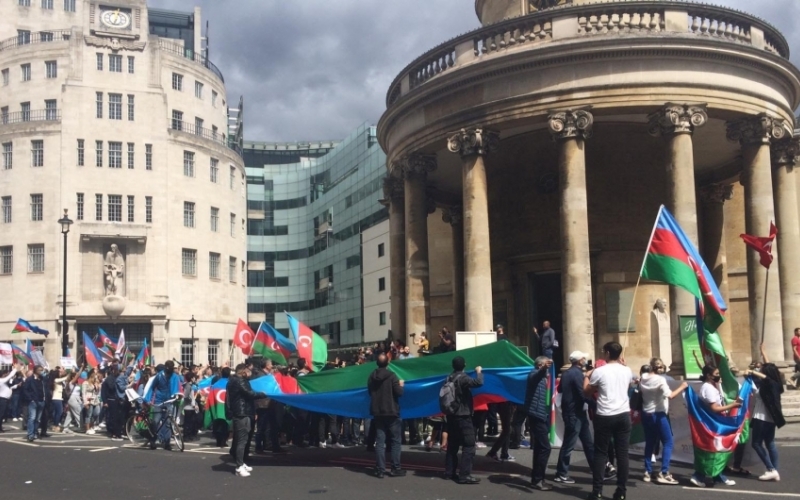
(115, 18)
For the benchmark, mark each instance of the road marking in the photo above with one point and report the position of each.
(104, 449)
(744, 492)
(23, 443)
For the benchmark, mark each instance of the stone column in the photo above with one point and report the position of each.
(473, 145)
(570, 129)
(415, 172)
(713, 248)
(784, 156)
(676, 123)
(755, 134)
(454, 217)
(395, 198)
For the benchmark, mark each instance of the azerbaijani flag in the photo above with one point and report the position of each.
(551, 400)
(271, 344)
(21, 357)
(105, 341)
(23, 326)
(91, 353)
(310, 346)
(143, 359)
(215, 403)
(715, 436)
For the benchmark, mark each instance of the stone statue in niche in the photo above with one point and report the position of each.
(660, 332)
(114, 277)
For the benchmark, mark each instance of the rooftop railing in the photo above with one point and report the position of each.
(180, 50)
(28, 38)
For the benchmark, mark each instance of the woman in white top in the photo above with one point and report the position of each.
(767, 417)
(5, 391)
(655, 420)
(73, 396)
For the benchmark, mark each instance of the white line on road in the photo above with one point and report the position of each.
(744, 492)
(105, 449)
(23, 443)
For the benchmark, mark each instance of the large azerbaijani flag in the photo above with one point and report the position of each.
(91, 353)
(23, 326)
(21, 357)
(310, 346)
(215, 403)
(272, 345)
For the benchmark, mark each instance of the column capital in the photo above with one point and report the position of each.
(476, 141)
(785, 153)
(393, 187)
(416, 165)
(716, 193)
(677, 119)
(570, 124)
(759, 129)
(453, 215)
(430, 204)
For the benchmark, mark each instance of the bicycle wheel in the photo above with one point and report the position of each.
(177, 434)
(138, 430)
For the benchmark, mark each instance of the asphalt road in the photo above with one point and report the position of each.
(85, 467)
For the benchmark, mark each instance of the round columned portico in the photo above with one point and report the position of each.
(661, 86)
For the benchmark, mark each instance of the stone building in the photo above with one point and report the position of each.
(112, 111)
(550, 136)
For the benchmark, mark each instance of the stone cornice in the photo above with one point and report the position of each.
(759, 129)
(677, 119)
(785, 153)
(716, 193)
(570, 124)
(471, 142)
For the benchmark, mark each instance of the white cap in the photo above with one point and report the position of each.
(577, 356)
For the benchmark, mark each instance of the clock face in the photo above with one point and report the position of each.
(116, 18)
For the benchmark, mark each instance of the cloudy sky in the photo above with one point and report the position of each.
(315, 70)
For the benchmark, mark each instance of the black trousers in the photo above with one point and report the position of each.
(220, 429)
(114, 417)
(501, 444)
(3, 406)
(242, 434)
(540, 442)
(618, 428)
(460, 434)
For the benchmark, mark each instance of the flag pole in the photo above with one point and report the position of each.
(764, 312)
(641, 270)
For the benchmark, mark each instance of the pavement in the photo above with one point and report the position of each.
(83, 467)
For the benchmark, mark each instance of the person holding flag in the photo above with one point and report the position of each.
(537, 408)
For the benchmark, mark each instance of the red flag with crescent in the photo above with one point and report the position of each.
(243, 338)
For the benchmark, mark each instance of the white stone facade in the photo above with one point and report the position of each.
(161, 167)
(376, 281)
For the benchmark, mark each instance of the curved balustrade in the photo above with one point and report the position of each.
(180, 50)
(27, 38)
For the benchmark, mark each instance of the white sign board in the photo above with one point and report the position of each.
(69, 363)
(6, 354)
(467, 340)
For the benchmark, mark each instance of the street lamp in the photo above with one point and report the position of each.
(65, 223)
(192, 324)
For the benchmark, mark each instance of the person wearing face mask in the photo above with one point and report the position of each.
(655, 420)
(576, 425)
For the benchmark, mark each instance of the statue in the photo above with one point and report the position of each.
(114, 270)
(660, 332)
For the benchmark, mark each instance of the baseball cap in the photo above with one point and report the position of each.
(578, 355)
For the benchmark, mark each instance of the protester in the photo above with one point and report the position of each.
(219, 426)
(112, 402)
(16, 392)
(385, 389)
(460, 430)
(56, 380)
(505, 409)
(538, 411)
(166, 385)
(74, 403)
(5, 391)
(547, 340)
(423, 343)
(576, 424)
(501, 333)
(34, 391)
(239, 402)
(190, 423)
(767, 417)
(91, 401)
(613, 419)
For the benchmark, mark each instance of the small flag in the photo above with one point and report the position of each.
(763, 245)
(23, 326)
(143, 359)
(244, 337)
(21, 356)
(91, 353)
(310, 346)
(104, 340)
(119, 350)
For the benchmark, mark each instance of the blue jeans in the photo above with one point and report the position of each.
(34, 414)
(392, 426)
(657, 428)
(159, 415)
(764, 443)
(575, 427)
(548, 353)
(58, 412)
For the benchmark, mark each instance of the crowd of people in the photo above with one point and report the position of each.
(596, 404)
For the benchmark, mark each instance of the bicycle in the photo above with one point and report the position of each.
(139, 426)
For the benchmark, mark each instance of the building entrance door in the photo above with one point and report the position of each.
(546, 305)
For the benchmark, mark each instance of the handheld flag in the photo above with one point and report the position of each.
(143, 359)
(268, 344)
(243, 338)
(762, 245)
(91, 353)
(310, 346)
(21, 356)
(119, 350)
(23, 326)
(551, 400)
(28, 346)
(215, 403)
(104, 340)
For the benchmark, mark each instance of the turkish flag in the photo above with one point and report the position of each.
(243, 338)
(763, 245)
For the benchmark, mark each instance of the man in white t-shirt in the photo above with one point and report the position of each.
(610, 383)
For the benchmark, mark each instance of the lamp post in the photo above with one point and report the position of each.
(192, 324)
(65, 223)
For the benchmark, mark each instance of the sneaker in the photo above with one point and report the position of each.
(724, 480)
(595, 496)
(770, 475)
(242, 472)
(103, 425)
(116, 438)
(68, 431)
(696, 481)
(339, 445)
(508, 459)
(618, 495)
(611, 473)
(563, 479)
(541, 486)
(646, 477)
(665, 478)
(421, 443)
(652, 458)
(323, 444)
(525, 443)
(480, 445)
(247, 468)
(397, 473)
(91, 431)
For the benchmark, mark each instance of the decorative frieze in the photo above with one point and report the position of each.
(393, 187)
(114, 43)
(417, 165)
(571, 124)
(759, 129)
(477, 141)
(677, 119)
(784, 153)
(453, 215)
(716, 193)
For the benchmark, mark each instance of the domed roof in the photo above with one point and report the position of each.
(492, 11)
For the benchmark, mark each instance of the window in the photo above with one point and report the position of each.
(188, 164)
(51, 69)
(115, 106)
(6, 77)
(114, 154)
(233, 177)
(99, 101)
(45, 36)
(37, 207)
(47, 4)
(189, 262)
(51, 109)
(37, 153)
(215, 219)
(188, 214)
(213, 265)
(177, 120)
(187, 352)
(177, 81)
(381, 250)
(148, 209)
(6, 260)
(214, 98)
(130, 108)
(6, 209)
(25, 107)
(80, 206)
(131, 65)
(25, 3)
(148, 157)
(98, 148)
(233, 225)
(214, 170)
(130, 155)
(4, 114)
(8, 155)
(232, 269)
(26, 72)
(131, 208)
(198, 126)
(99, 61)
(381, 284)
(198, 90)
(381, 318)
(213, 353)
(98, 207)
(69, 5)
(23, 36)
(81, 152)
(115, 208)
(115, 63)
(36, 258)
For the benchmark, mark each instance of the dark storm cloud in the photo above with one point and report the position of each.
(314, 70)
